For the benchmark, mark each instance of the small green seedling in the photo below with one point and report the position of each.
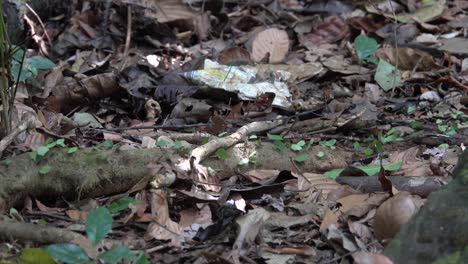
(301, 158)
(221, 154)
(97, 225)
(328, 143)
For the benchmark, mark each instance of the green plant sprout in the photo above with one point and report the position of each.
(97, 225)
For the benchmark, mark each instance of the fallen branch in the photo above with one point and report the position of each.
(27, 123)
(200, 153)
(421, 186)
(11, 230)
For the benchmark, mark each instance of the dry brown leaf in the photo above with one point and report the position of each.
(234, 56)
(262, 176)
(412, 165)
(77, 215)
(393, 213)
(331, 30)
(408, 59)
(344, 204)
(362, 257)
(164, 10)
(163, 228)
(271, 45)
(317, 183)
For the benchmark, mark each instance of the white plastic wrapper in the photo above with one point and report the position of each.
(243, 80)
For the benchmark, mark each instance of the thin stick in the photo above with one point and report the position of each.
(128, 37)
(40, 22)
(395, 23)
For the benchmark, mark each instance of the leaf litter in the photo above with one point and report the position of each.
(267, 112)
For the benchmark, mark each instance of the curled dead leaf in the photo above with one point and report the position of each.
(394, 213)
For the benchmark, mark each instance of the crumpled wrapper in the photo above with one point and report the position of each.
(244, 81)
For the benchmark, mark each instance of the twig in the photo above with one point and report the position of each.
(395, 48)
(128, 37)
(151, 127)
(202, 152)
(49, 40)
(10, 137)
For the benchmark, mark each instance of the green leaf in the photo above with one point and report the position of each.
(328, 143)
(387, 76)
(178, 144)
(301, 158)
(444, 145)
(121, 204)
(365, 46)
(68, 253)
(298, 146)
(108, 143)
(72, 150)
(368, 152)
(40, 63)
(275, 137)
(243, 161)
(35, 255)
(415, 124)
(42, 221)
(356, 145)
(374, 169)
(18, 70)
(378, 146)
(42, 150)
(142, 258)
(320, 154)
(44, 169)
(33, 155)
(7, 162)
(411, 109)
(205, 140)
(18, 54)
(116, 253)
(333, 174)
(61, 142)
(280, 145)
(98, 224)
(162, 143)
(221, 154)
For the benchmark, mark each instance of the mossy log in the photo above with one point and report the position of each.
(93, 172)
(438, 233)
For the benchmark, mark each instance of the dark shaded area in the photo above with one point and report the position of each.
(439, 232)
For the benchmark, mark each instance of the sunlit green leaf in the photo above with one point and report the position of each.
(35, 255)
(275, 137)
(374, 169)
(121, 204)
(72, 150)
(42, 150)
(301, 158)
(243, 161)
(333, 174)
(221, 154)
